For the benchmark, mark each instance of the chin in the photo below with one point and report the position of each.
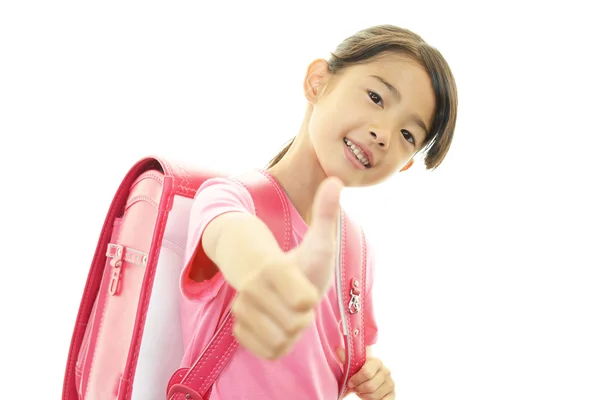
(347, 176)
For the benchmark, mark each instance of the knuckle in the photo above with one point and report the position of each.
(269, 271)
(253, 291)
(286, 348)
(294, 325)
(279, 342)
(270, 355)
(296, 300)
(241, 310)
(312, 296)
(371, 386)
(368, 374)
(277, 351)
(295, 296)
(303, 321)
(237, 306)
(301, 294)
(236, 332)
(240, 336)
(366, 388)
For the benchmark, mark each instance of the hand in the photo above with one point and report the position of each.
(373, 381)
(275, 304)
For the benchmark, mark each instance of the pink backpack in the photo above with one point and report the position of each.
(127, 342)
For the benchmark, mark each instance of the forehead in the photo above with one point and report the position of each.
(394, 68)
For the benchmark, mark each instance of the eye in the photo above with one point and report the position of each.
(376, 98)
(408, 136)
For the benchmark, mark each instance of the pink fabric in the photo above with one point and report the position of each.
(311, 370)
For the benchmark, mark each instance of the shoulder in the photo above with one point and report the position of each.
(358, 233)
(222, 193)
(220, 187)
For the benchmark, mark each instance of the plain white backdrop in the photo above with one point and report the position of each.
(488, 274)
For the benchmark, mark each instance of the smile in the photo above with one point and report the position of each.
(358, 153)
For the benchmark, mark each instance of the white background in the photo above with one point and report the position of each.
(488, 275)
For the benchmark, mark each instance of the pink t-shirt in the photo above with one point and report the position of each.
(311, 370)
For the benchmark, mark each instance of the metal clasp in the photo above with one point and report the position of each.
(354, 305)
(116, 263)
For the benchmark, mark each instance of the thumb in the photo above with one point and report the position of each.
(317, 251)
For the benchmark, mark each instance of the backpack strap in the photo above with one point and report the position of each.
(270, 204)
(352, 290)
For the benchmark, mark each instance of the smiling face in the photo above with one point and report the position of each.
(369, 120)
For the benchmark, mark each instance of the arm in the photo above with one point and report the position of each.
(225, 237)
(248, 235)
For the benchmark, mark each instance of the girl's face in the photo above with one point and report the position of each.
(369, 121)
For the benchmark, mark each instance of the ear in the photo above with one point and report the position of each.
(408, 164)
(314, 82)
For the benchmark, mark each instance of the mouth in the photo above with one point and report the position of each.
(361, 155)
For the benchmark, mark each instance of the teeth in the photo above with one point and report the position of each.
(357, 152)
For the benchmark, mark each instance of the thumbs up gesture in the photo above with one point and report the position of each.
(277, 302)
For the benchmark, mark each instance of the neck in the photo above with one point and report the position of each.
(299, 172)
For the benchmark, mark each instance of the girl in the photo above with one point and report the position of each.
(384, 96)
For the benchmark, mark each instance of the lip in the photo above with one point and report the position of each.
(364, 149)
(352, 158)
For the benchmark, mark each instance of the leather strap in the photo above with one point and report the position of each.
(353, 292)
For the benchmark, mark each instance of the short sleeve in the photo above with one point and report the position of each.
(371, 328)
(216, 196)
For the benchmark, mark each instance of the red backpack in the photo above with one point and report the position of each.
(127, 342)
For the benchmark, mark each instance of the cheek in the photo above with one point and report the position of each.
(387, 170)
(323, 125)
(336, 116)
(396, 160)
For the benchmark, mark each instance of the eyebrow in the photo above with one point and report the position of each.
(391, 87)
(415, 117)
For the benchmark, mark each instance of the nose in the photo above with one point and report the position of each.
(381, 140)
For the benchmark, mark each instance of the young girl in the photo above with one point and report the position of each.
(384, 96)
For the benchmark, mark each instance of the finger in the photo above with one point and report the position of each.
(290, 344)
(371, 385)
(316, 252)
(386, 388)
(248, 340)
(258, 323)
(367, 372)
(269, 320)
(292, 286)
(283, 300)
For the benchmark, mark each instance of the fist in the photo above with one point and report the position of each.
(273, 308)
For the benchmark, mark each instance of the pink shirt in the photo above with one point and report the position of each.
(311, 370)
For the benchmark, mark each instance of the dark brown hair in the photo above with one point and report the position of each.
(369, 43)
